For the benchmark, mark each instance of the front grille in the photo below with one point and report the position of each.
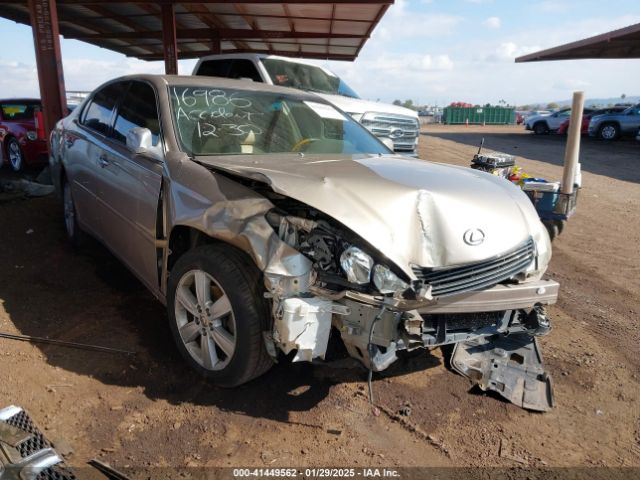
(480, 275)
(403, 130)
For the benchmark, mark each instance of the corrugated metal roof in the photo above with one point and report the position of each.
(316, 29)
(622, 43)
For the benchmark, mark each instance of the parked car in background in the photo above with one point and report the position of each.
(614, 125)
(586, 118)
(266, 219)
(20, 144)
(542, 124)
(400, 125)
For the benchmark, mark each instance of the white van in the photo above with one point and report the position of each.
(399, 124)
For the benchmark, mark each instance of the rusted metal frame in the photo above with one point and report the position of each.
(215, 23)
(46, 38)
(225, 34)
(275, 43)
(376, 20)
(333, 16)
(175, 2)
(292, 25)
(112, 16)
(106, 13)
(581, 47)
(320, 56)
(169, 42)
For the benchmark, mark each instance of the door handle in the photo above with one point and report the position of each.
(103, 161)
(68, 141)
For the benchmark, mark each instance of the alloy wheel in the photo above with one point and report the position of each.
(608, 132)
(15, 155)
(205, 320)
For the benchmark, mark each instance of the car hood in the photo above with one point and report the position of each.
(359, 106)
(412, 211)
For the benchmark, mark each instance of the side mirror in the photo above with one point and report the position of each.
(388, 143)
(139, 140)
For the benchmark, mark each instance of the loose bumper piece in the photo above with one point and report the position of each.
(509, 365)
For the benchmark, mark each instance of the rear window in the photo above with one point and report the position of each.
(19, 110)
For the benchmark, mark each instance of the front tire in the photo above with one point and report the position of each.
(609, 131)
(217, 313)
(540, 128)
(15, 155)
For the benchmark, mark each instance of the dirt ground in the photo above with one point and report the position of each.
(148, 409)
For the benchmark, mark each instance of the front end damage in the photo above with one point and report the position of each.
(493, 330)
(322, 275)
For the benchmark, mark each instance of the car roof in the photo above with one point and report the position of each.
(21, 100)
(218, 82)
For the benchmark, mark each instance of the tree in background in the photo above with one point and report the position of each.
(397, 102)
(408, 104)
(552, 106)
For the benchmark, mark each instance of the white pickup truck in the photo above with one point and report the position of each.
(400, 125)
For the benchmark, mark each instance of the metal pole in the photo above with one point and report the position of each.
(170, 44)
(572, 151)
(46, 39)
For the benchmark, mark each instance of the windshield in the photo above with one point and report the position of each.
(215, 121)
(19, 110)
(305, 77)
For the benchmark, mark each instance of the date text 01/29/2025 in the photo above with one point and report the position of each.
(316, 472)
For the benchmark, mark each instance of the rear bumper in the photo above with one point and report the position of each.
(501, 297)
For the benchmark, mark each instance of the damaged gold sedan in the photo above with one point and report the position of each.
(267, 220)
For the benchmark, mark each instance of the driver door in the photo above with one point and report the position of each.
(130, 185)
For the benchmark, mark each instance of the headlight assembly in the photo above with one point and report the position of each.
(357, 265)
(386, 281)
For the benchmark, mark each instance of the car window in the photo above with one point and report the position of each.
(215, 68)
(97, 113)
(19, 110)
(138, 109)
(217, 121)
(302, 76)
(241, 68)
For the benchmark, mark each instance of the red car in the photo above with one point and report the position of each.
(20, 144)
(564, 126)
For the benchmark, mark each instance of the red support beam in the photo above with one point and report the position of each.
(46, 39)
(169, 39)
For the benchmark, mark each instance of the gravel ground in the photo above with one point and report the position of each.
(148, 410)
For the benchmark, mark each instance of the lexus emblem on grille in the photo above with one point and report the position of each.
(473, 237)
(396, 133)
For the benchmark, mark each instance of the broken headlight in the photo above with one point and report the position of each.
(356, 265)
(386, 281)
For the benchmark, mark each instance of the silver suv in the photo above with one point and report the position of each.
(269, 221)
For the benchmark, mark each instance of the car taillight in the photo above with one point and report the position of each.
(39, 119)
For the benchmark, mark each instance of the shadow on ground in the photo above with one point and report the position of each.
(88, 296)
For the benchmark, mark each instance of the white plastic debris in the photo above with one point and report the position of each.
(304, 325)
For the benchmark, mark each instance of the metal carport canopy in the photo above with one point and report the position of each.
(335, 29)
(174, 29)
(622, 43)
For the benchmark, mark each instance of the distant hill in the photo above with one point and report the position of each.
(600, 102)
(603, 101)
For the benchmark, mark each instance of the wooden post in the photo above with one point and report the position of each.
(170, 44)
(46, 39)
(572, 150)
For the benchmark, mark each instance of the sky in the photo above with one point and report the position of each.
(430, 51)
